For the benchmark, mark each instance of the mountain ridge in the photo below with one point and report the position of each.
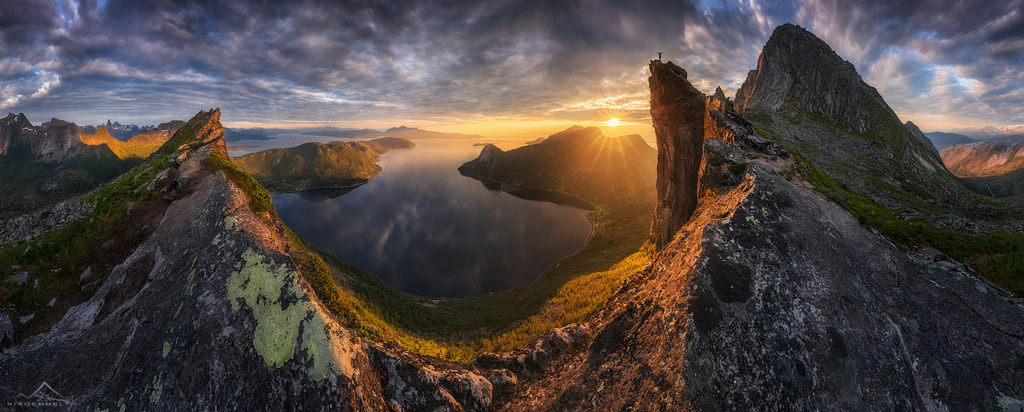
(984, 159)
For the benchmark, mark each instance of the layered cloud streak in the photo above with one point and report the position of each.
(941, 64)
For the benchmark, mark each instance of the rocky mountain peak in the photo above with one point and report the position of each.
(10, 127)
(798, 72)
(203, 129)
(926, 143)
(58, 141)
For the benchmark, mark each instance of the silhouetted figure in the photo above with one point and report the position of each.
(659, 56)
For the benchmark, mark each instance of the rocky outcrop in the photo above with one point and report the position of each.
(675, 106)
(928, 149)
(209, 310)
(677, 112)
(806, 97)
(27, 226)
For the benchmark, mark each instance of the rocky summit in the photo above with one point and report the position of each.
(765, 292)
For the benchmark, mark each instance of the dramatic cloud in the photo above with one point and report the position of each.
(941, 64)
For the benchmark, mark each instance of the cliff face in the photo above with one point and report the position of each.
(677, 112)
(57, 142)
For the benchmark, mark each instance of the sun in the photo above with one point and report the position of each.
(613, 122)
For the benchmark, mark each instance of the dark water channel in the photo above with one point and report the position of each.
(427, 230)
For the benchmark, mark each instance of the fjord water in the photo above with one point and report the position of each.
(427, 230)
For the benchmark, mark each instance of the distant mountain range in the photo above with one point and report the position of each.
(43, 165)
(991, 167)
(987, 158)
(989, 132)
(942, 140)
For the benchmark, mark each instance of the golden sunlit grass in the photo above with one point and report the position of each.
(575, 301)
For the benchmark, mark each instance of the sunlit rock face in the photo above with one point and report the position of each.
(677, 112)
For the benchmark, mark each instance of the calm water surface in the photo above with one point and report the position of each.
(427, 230)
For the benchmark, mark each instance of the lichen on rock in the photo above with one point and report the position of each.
(271, 292)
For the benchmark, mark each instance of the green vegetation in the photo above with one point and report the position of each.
(875, 165)
(259, 198)
(573, 303)
(139, 146)
(1004, 185)
(30, 185)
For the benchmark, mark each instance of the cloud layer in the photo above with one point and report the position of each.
(941, 64)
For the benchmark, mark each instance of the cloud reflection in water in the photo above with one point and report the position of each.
(427, 230)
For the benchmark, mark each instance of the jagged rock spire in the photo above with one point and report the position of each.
(677, 111)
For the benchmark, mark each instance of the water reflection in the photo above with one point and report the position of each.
(427, 230)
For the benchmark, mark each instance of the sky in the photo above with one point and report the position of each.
(527, 67)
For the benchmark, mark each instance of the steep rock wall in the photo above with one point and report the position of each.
(677, 112)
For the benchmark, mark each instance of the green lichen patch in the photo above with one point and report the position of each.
(158, 389)
(327, 355)
(273, 295)
(166, 349)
